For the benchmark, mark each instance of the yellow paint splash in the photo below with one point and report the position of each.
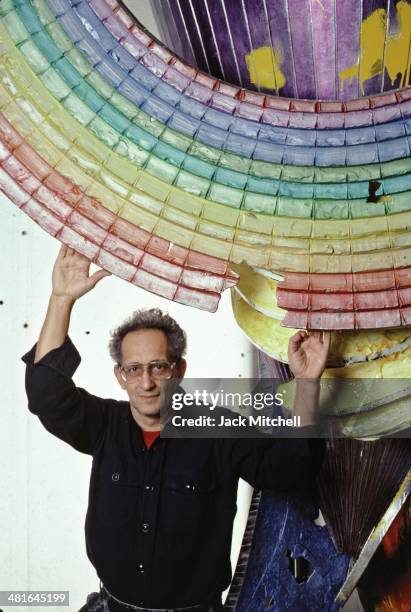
(264, 68)
(397, 57)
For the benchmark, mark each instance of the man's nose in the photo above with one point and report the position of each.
(147, 381)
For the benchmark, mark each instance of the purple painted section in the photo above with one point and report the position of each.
(199, 26)
(240, 37)
(348, 46)
(271, 368)
(181, 45)
(189, 27)
(170, 32)
(280, 36)
(222, 33)
(260, 35)
(319, 40)
(323, 20)
(301, 38)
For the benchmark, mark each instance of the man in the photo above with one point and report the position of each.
(160, 514)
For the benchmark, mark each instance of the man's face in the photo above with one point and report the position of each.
(147, 395)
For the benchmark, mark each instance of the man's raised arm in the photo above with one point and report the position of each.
(70, 281)
(68, 412)
(285, 464)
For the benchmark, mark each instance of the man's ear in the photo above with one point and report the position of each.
(118, 376)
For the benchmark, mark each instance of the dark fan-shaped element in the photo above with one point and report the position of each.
(357, 482)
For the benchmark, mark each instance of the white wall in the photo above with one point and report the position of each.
(44, 482)
(144, 13)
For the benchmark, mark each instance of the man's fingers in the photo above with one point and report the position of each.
(74, 256)
(67, 252)
(322, 336)
(62, 251)
(316, 334)
(298, 336)
(97, 276)
(296, 340)
(327, 339)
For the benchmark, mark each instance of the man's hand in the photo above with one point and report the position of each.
(71, 275)
(307, 353)
(70, 280)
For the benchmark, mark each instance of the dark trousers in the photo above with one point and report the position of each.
(104, 602)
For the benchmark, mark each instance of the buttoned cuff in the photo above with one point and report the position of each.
(65, 359)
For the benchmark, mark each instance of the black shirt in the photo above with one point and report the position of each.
(159, 520)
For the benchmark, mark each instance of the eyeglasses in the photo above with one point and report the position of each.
(159, 370)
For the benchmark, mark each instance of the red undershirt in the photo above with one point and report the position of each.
(150, 437)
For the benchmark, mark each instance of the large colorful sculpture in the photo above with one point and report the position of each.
(186, 185)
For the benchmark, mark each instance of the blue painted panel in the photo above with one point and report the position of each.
(286, 524)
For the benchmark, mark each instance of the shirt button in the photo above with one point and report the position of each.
(115, 477)
(141, 568)
(145, 527)
(148, 487)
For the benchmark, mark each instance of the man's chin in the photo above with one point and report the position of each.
(151, 409)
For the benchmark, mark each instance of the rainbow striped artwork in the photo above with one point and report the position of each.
(185, 185)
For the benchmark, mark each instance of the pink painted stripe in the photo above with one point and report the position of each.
(361, 300)
(61, 208)
(375, 319)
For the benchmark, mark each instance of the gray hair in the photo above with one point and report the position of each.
(152, 318)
